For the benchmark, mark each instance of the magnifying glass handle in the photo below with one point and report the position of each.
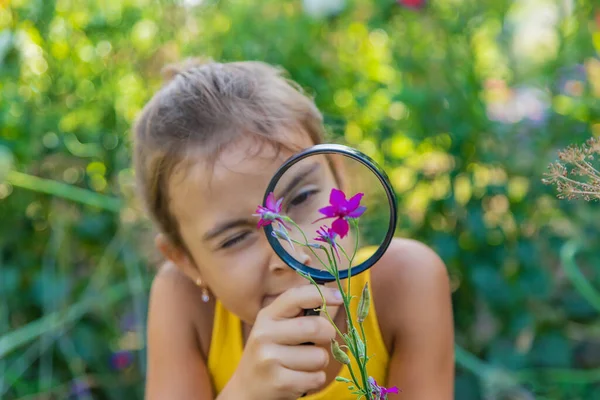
(308, 312)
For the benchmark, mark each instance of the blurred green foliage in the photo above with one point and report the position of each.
(464, 102)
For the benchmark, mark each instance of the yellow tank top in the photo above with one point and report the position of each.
(226, 348)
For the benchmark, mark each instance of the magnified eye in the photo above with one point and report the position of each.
(302, 197)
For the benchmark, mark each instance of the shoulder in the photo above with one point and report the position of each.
(176, 302)
(410, 278)
(406, 263)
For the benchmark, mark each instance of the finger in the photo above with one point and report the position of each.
(298, 382)
(293, 301)
(300, 330)
(302, 358)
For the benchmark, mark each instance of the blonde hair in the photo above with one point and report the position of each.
(203, 107)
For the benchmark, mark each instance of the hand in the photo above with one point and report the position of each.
(274, 366)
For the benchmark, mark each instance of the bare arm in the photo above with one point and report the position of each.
(176, 366)
(420, 318)
(273, 365)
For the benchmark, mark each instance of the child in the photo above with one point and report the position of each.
(225, 317)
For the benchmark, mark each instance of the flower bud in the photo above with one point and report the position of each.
(281, 233)
(361, 347)
(338, 353)
(364, 303)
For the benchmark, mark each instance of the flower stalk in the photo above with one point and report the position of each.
(345, 214)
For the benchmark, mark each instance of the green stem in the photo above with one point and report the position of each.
(364, 338)
(59, 189)
(351, 260)
(471, 363)
(345, 254)
(329, 259)
(353, 347)
(354, 379)
(362, 363)
(572, 377)
(324, 308)
(291, 221)
(355, 225)
(350, 323)
(567, 255)
(59, 319)
(326, 312)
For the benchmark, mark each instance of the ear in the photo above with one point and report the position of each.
(177, 256)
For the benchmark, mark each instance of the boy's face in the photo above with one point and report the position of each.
(214, 208)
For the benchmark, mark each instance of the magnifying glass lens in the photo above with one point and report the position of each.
(337, 212)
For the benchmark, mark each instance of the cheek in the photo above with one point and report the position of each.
(240, 273)
(237, 280)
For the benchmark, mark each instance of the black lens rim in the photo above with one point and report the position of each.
(321, 276)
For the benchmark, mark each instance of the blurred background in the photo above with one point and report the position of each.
(465, 103)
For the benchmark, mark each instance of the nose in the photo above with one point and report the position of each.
(300, 254)
(303, 257)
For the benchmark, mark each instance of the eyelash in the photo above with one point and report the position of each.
(305, 194)
(237, 239)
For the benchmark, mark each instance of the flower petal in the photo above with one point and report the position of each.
(358, 212)
(329, 211)
(337, 253)
(393, 389)
(340, 226)
(263, 222)
(270, 202)
(354, 202)
(412, 4)
(337, 198)
(281, 221)
(278, 206)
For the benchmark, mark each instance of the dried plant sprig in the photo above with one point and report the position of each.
(574, 174)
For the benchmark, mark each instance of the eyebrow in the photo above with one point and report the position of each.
(300, 176)
(219, 229)
(244, 222)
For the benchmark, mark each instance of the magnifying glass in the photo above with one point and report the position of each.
(331, 194)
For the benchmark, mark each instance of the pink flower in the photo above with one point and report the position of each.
(121, 360)
(328, 235)
(414, 4)
(379, 391)
(269, 213)
(340, 208)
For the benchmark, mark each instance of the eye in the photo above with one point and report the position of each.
(235, 240)
(303, 197)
